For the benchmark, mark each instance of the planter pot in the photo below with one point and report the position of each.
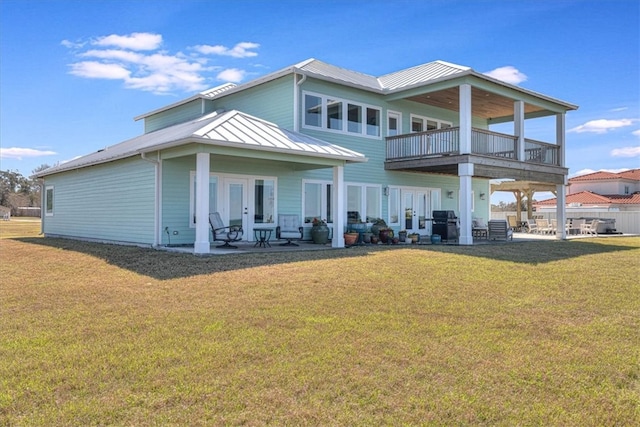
(374, 240)
(351, 239)
(408, 240)
(384, 236)
(415, 238)
(395, 240)
(435, 239)
(320, 234)
(402, 236)
(366, 237)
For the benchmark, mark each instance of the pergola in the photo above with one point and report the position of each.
(526, 189)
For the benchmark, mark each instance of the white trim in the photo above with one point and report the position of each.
(363, 198)
(424, 120)
(46, 200)
(345, 115)
(398, 114)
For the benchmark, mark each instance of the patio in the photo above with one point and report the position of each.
(244, 247)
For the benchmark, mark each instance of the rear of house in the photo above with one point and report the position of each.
(313, 140)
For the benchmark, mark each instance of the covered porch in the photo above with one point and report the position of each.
(472, 149)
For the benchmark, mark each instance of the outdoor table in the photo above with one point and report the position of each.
(262, 236)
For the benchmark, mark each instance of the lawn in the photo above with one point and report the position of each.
(533, 333)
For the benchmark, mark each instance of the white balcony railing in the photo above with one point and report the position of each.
(441, 142)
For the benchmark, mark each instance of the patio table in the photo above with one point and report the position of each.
(262, 236)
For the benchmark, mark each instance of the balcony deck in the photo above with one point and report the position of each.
(493, 154)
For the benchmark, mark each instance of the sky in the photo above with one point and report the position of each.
(74, 74)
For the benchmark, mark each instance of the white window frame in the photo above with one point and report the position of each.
(364, 215)
(344, 117)
(425, 119)
(48, 188)
(398, 116)
(323, 200)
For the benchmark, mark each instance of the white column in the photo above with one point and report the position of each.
(201, 245)
(338, 207)
(518, 128)
(561, 215)
(465, 172)
(465, 118)
(560, 138)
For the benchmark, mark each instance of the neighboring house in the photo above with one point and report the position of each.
(315, 140)
(600, 192)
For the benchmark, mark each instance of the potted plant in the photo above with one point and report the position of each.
(319, 231)
(402, 235)
(415, 237)
(377, 225)
(385, 234)
(351, 238)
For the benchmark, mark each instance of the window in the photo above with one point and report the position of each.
(363, 202)
(312, 110)
(394, 205)
(627, 190)
(341, 115)
(48, 201)
(264, 201)
(394, 121)
(421, 124)
(213, 197)
(317, 201)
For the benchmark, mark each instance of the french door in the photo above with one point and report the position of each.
(416, 210)
(235, 203)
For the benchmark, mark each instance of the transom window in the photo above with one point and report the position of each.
(340, 115)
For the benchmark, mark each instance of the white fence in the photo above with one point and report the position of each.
(626, 222)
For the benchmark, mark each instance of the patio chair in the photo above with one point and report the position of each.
(479, 228)
(532, 227)
(223, 233)
(590, 227)
(289, 228)
(499, 229)
(542, 225)
(513, 223)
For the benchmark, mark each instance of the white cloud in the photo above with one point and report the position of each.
(232, 75)
(626, 152)
(636, 132)
(602, 125)
(240, 50)
(134, 41)
(136, 60)
(99, 70)
(508, 74)
(20, 153)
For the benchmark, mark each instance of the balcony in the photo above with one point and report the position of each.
(494, 155)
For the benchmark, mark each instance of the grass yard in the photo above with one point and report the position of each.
(536, 333)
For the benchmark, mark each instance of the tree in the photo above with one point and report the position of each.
(17, 190)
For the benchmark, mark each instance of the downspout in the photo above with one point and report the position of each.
(156, 213)
(296, 100)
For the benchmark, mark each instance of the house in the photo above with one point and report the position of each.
(600, 192)
(311, 139)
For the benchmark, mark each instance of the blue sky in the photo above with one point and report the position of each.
(73, 74)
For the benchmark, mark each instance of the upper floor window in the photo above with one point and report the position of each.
(394, 123)
(341, 115)
(422, 124)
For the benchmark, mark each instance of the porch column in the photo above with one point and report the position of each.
(560, 138)
(561, 201)
(518, 128)
(465, 172)
(201, 244)
(465, 118)
(338, 207)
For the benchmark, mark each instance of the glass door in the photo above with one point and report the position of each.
(236, 206)
(417, 211)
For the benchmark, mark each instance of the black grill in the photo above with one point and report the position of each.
(445, 224)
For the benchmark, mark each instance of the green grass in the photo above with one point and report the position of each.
(536, 333)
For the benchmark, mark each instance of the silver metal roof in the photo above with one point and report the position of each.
(231, 128)
(420, 74)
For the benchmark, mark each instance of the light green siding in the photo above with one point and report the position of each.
(271, 101)
(180, 114)
(112, 202)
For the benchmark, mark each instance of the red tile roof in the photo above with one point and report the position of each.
(633, 174)
(589, 198)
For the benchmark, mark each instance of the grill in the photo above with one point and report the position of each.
(445, 224)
